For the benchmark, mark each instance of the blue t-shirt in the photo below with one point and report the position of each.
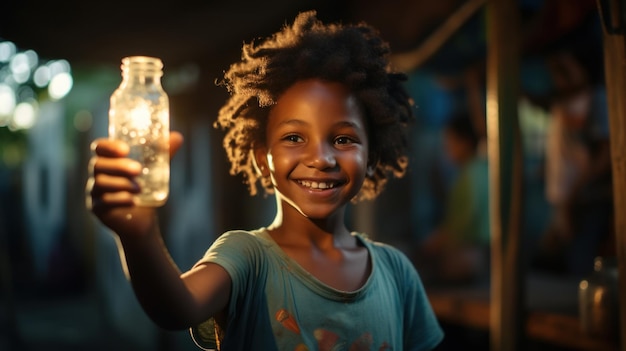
(276, 305)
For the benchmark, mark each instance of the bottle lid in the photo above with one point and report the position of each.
(147, 64)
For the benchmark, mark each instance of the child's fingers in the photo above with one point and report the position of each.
(105, 192)
(110, 201)
(111, 176)
(115, 148)
(176, 141)
(123, 167)
(104, 183)
(111, 182)
(119, 198)
(109, 147)
(109, 190)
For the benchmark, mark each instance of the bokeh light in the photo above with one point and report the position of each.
(59, 66)
(23, 78)
(25, 115)
(7, 50)
(7, 104)
(60, 85)
(41, 77)
(20, 68)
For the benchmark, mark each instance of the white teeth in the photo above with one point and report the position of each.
(317, 185)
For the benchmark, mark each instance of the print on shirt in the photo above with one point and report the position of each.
(286, 319)
(326, 339)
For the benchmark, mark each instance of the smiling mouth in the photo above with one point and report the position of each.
(317, 185)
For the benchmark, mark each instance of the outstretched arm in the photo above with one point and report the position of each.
(171, 299)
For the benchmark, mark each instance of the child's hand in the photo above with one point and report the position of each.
(111, 186)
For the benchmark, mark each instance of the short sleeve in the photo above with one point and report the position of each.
(237, 252)
(421, 329)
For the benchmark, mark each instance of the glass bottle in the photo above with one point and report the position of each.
(598, 300)
(139, 116)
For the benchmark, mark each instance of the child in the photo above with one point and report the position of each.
(316, 118)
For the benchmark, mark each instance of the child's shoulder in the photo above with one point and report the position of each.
(390, 261)
(383, 250)
(242, 233)
(243, 238)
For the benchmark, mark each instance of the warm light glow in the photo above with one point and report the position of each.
(7, 104)
(599, 296)
(140, 117)
(60, 85)
(584, 285)
(24, 116)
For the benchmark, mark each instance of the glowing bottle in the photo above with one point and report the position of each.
(139, 116)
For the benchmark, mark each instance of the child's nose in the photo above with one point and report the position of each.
(320, 156)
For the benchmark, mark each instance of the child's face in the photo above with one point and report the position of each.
(317, 148)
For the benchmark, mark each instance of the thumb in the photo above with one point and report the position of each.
(176, 141)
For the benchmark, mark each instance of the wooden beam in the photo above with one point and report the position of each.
(505, 173)
(408, 61)
(615, 76)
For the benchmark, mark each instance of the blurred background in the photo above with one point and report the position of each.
(62, 286)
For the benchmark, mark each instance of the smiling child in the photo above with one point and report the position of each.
(318, 119)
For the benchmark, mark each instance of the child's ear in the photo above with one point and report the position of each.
(260, 161)
(372, 162)
(370, 170)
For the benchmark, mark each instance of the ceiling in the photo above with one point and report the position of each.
(86, 32)
(210, 33)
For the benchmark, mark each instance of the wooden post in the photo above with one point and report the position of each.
(505, 173)
(615, 76)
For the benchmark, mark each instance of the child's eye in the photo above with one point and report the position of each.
(345, 140)
(293, 138)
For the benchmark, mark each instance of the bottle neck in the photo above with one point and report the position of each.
(142, 70)
(132, 78)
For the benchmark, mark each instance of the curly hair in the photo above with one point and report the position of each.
(353, 55)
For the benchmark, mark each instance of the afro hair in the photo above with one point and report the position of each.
(353, 55)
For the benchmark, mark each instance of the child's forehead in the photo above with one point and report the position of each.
(314, 92)
(313, 101)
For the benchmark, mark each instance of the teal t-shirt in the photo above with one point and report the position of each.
(276, 305)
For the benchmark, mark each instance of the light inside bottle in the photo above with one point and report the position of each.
(140, 118)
